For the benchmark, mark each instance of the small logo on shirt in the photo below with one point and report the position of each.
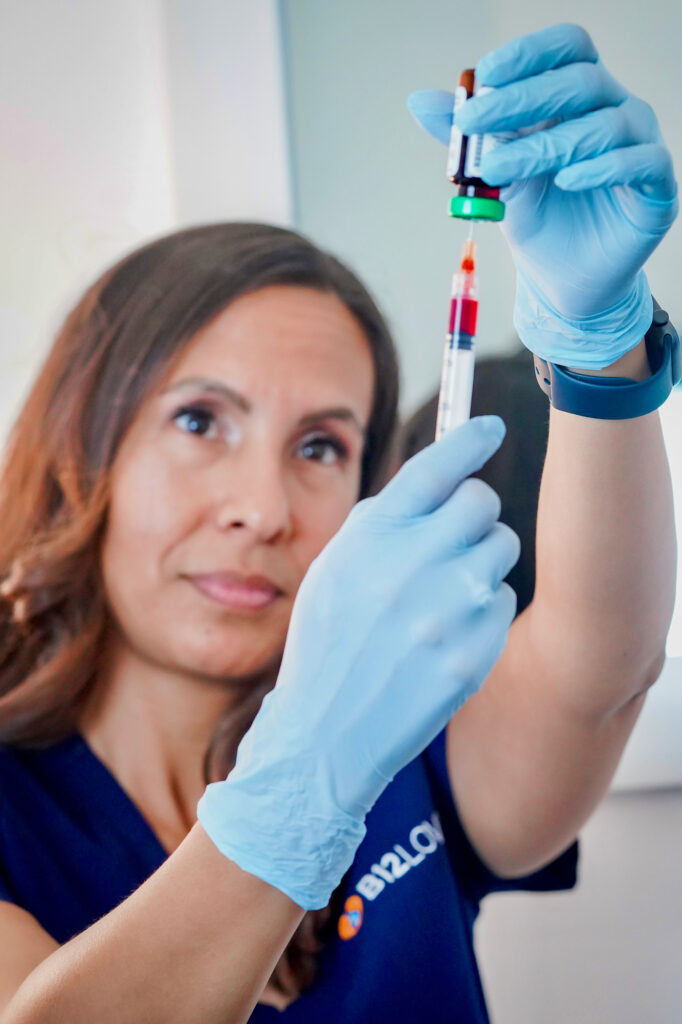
(350, 921)
(424, 838)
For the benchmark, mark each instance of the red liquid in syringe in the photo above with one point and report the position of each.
(464, 303)
(454, 401)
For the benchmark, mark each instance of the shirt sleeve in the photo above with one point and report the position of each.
(475, 879)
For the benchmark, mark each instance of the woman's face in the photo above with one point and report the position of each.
(232, 478)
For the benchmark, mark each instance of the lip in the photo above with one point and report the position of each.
(240, 593)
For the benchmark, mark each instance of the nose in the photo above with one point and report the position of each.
(257, 498)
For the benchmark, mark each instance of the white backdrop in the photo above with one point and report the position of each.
(120, 121)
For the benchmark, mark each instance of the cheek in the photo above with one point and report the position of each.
(148, 514)
(320, 519)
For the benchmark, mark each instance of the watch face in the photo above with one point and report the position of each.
(661, 329)
(675, 353)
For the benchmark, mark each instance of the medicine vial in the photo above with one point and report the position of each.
(474, 200)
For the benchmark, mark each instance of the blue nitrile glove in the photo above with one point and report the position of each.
(591, 196)
(397, 622)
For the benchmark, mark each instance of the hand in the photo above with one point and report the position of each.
(397, 622)
(593, 191)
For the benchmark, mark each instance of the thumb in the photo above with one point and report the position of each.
(429, 478)
(432, 108)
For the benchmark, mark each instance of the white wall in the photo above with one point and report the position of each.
(121, 121)
(84, 162)
(228, 129)
(608, 952)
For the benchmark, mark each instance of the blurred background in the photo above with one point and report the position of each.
(123, 120)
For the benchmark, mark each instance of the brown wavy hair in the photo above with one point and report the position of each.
(115, 345)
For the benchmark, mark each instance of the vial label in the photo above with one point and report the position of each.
(455, 148)
(479, 145)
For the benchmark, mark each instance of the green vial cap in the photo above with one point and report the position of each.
(476, 208)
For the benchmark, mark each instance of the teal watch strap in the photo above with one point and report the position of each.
(618, 398)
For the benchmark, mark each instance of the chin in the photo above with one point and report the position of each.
(229, 659)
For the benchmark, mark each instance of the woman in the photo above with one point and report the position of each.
(202, 428)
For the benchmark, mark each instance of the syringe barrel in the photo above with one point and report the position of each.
(457, 378)
(463, 315)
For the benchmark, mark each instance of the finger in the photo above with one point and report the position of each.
(491, 560)
(467, 666)
(433, 108)
(469, 515)
(469, 582)
(648, 167)
(563, 93)
(532, 54)
(430, 477)
(569, 142)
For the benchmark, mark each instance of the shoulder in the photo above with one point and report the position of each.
(32, 777)
(19, 760)
(43, 831)
(15, 799)
(12, 773)
(18, 785)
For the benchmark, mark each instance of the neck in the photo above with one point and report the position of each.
(151, 727)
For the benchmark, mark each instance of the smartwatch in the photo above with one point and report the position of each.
(618, 398)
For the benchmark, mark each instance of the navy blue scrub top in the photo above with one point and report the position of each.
(73, 845)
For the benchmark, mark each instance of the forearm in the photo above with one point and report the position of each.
(532, 754)
(605, 555)
(197, 941)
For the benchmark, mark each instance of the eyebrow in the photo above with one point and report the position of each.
(337, 413)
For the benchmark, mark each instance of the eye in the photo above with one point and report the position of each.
(195, 419)
(322, 448)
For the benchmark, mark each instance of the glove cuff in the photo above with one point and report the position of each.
(590, 343)
(279, 837)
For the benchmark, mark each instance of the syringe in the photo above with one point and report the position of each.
(457, 378)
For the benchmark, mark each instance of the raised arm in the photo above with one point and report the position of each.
(592, 194)
(533, 753)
